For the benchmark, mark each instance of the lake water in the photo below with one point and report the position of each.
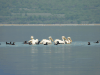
(76, 58)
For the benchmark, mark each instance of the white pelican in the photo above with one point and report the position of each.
(63, 41)
(46, 42)
(57, 41)
(68, 40)
(33, 41)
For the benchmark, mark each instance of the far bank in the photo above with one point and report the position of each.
(49, 24)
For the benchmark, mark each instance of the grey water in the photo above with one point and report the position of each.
(76, 58)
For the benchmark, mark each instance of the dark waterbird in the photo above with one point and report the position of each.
(25, 42)
(8, 43)
(88, 43)
(30, 43)
(13, 43)
(97, 42)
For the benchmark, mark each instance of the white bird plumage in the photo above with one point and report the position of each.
(57, 41)
(45, 41)
(68, 40)
(49, 41)
(33, 41)
(63, 41)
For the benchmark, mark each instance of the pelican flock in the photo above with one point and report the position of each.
(49, 41)
(63, 41)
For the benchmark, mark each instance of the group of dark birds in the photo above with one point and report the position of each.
(10, 43)
(94, 42)
(25, 42)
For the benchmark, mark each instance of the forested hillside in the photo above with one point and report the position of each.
(49, 11)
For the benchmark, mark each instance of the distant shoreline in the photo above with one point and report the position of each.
(49, 24)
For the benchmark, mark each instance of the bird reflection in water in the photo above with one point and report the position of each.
(34, 49)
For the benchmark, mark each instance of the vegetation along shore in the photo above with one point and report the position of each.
(49, 24)
(50, 12)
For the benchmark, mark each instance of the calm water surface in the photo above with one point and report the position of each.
(76, 58)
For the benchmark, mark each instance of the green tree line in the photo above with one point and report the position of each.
(49, 11)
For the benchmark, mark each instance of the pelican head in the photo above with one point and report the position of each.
(70, 39)
(63, 37)
(50, 38)
(31, 37)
